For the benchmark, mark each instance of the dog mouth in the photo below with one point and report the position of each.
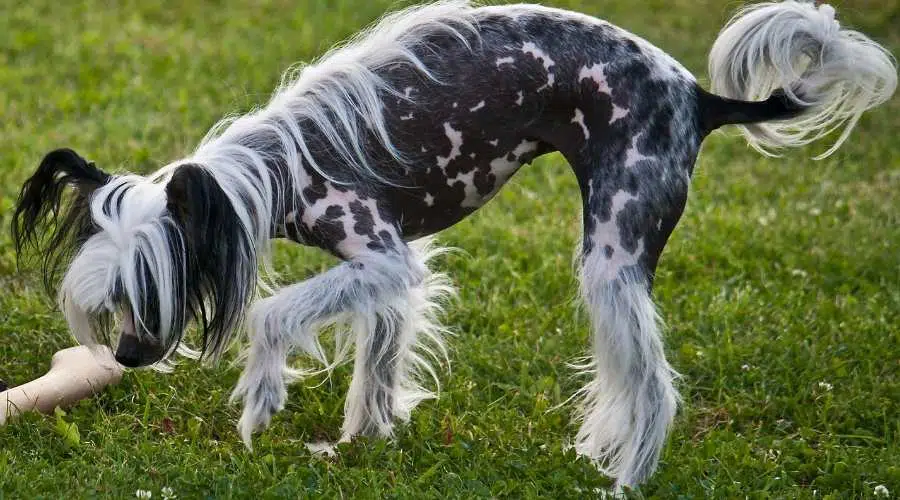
(133, 351)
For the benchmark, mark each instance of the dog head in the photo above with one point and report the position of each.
(137, 256)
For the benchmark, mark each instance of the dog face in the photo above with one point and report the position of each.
(143, 255)
(127, 269)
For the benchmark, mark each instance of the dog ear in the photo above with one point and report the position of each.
(42, 202)
(220, 271)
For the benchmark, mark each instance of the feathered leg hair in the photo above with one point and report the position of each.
(388, 302)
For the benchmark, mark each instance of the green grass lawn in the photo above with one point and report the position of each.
(780, 287)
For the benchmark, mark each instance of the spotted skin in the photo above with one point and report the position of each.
(341, 220)
(622, 112)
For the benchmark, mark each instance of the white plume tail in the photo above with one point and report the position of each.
(836, 74)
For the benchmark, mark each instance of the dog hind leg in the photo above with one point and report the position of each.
(628, 406)
(630, 403)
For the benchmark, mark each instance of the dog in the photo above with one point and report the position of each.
(401, 133)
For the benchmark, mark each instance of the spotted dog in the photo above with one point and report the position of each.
(405, 131)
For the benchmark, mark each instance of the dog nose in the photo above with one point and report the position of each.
(133, 353)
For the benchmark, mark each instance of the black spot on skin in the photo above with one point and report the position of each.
(326, 232)
(363, 222)
(434, 181)
(608, 251)
(527, 158)
(329, 231)
(484, 182)
(459, 165)
(634, 181)
(334, 212)
(633, 224)
(364, 225)
(315, 191)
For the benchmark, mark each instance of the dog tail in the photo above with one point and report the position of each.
(815, 77)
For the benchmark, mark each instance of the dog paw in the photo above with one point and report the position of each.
(262, 399)
(257, 415)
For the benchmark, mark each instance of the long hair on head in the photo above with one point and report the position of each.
(217, 254)
(156, 250)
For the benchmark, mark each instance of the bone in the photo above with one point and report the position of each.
(75, 374)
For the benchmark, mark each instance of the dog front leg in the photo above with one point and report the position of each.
(388, 297)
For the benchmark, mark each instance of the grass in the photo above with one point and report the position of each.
(780, 287)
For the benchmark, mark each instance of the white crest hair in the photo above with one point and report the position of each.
(801, 48)
(341, 94)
